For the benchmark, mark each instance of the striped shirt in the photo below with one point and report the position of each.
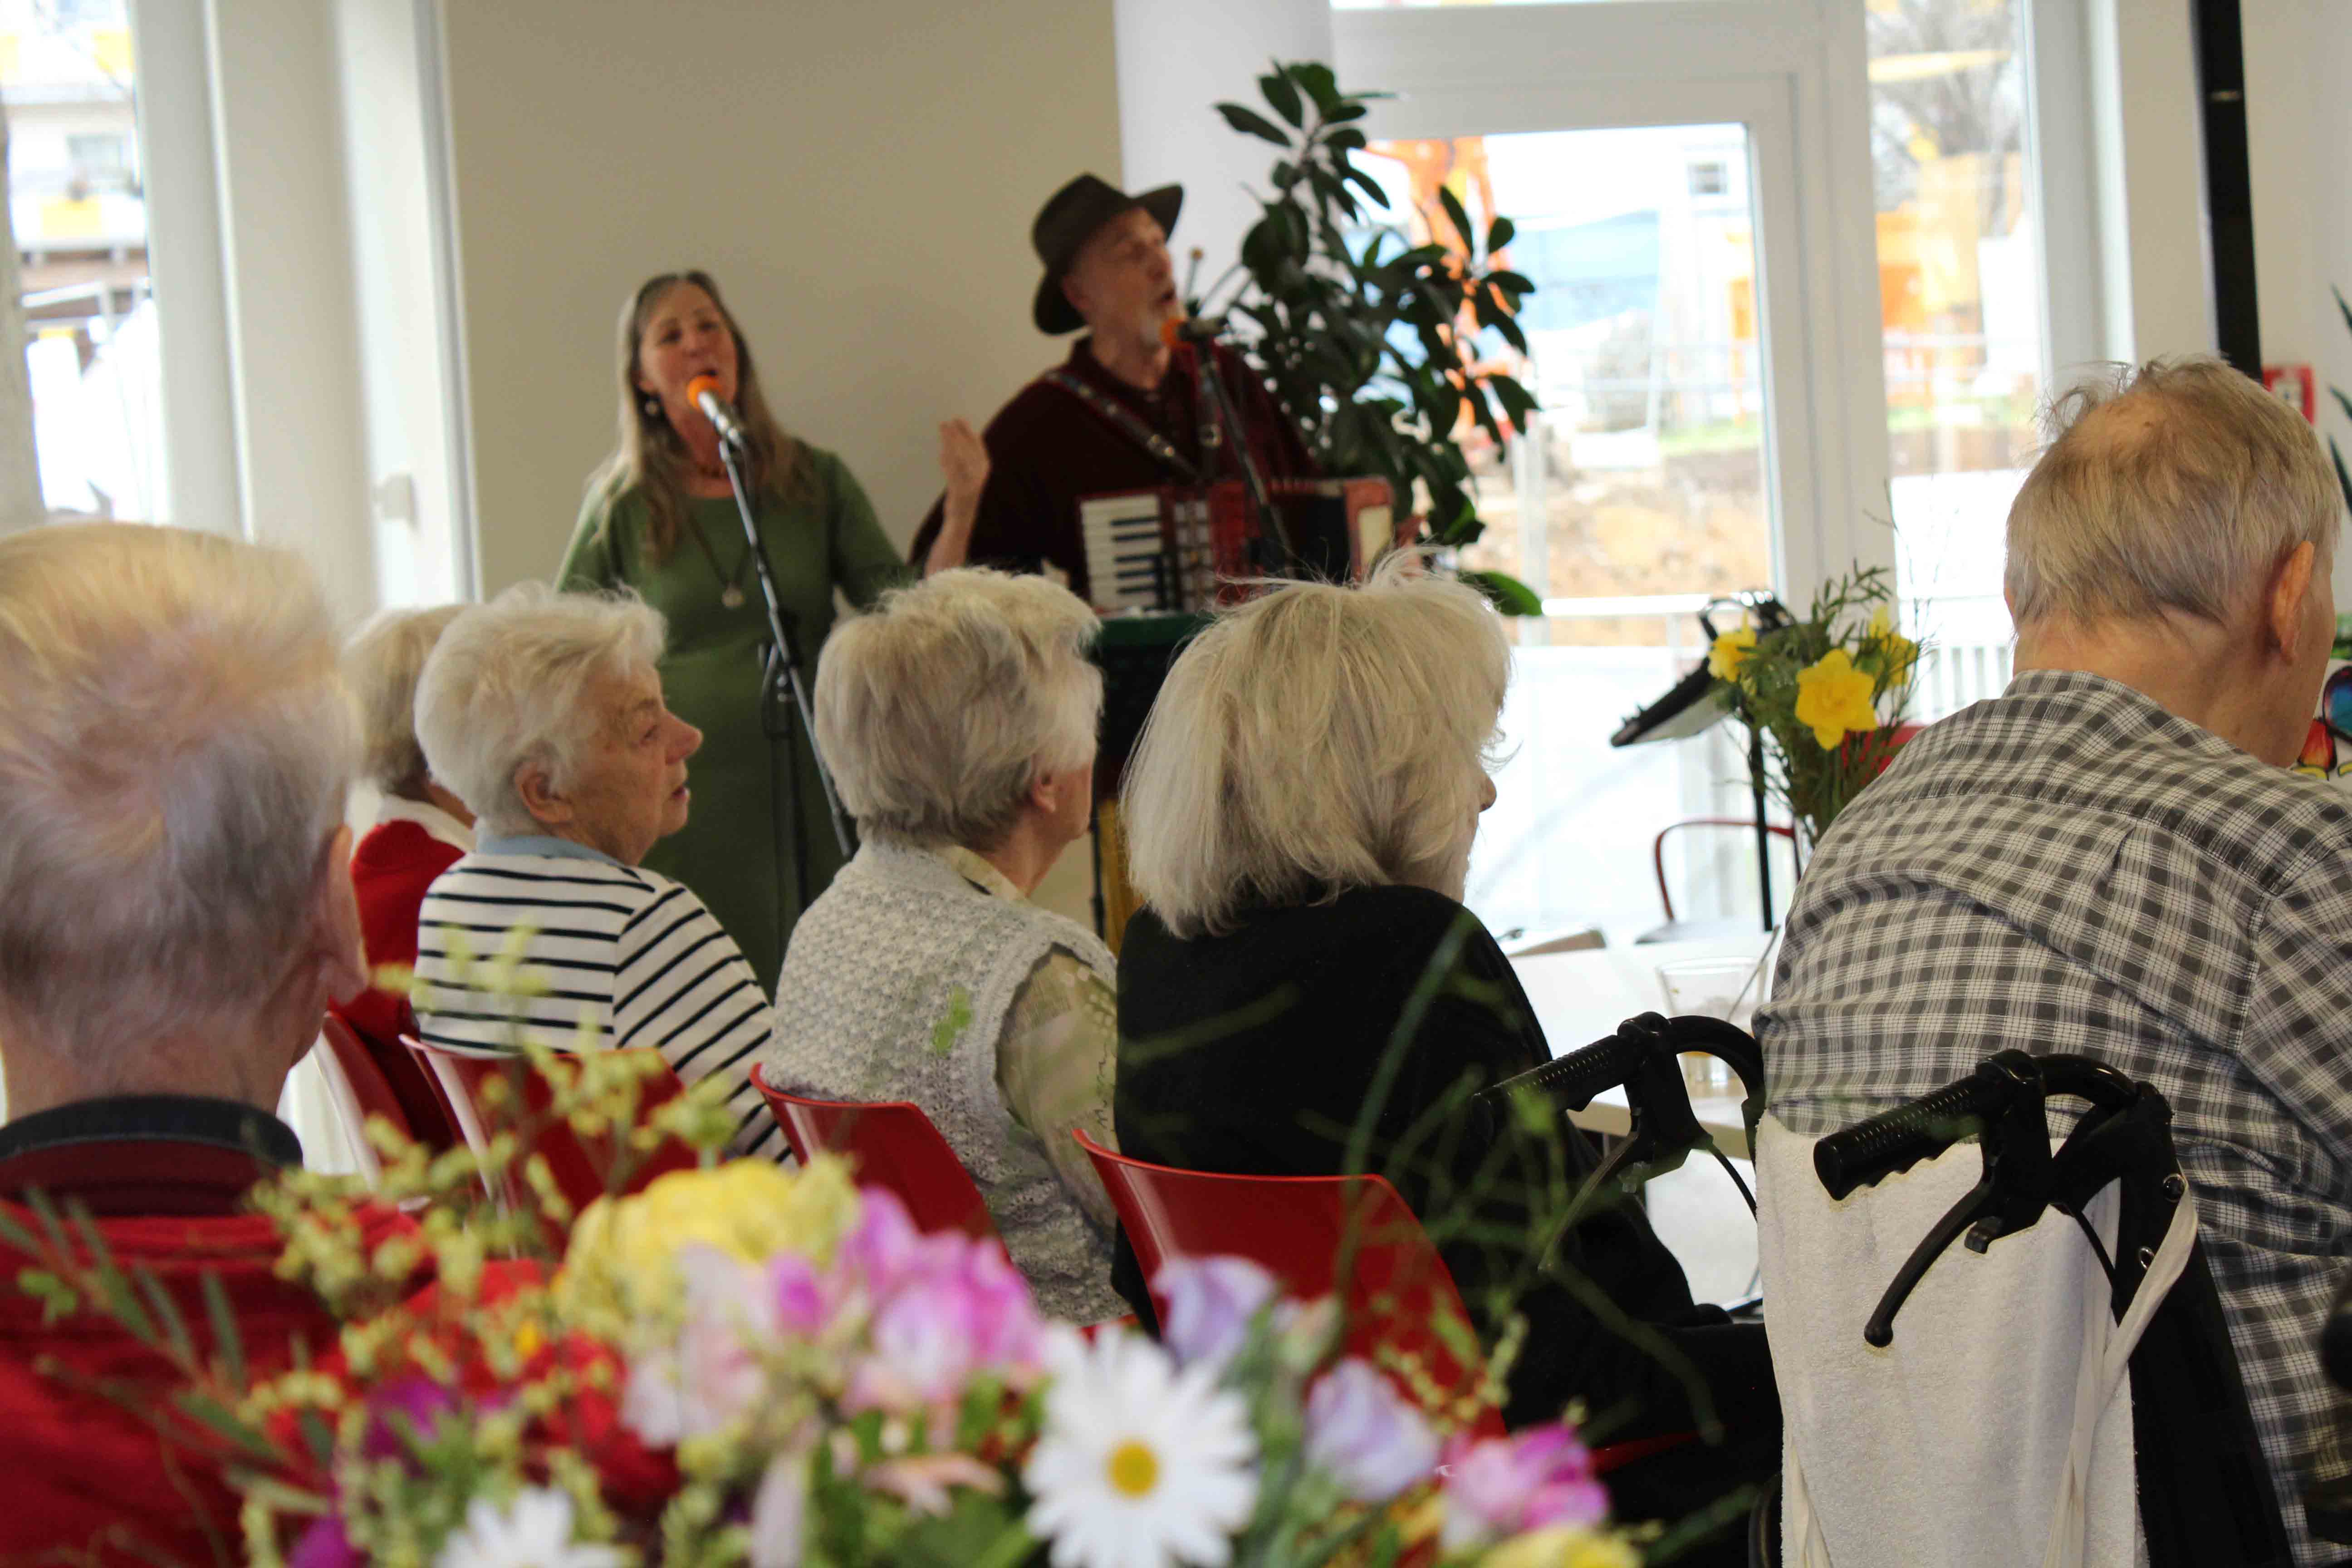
(610, 954)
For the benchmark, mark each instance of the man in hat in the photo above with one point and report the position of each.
(1124, 411)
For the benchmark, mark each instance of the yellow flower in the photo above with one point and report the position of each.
(1563, 1546)
(1895, 650)
(1833, 698)
(621, 1253)
(1730, 651)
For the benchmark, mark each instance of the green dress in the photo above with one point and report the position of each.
(732, 852)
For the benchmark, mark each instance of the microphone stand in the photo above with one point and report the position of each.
(780, 671)
(1208, 378)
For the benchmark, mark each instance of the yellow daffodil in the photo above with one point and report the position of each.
(1895, 651)
(1833, 698)
(1730, 651)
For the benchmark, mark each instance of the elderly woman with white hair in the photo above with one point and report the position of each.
(959, 719)
(544, 714)
(421, 829)
(1300, 811)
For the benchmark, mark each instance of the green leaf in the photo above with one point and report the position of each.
(1254, 124)
(1499, 233)
(167, 1312)
(57, 1299)
(1347, 138)
(212, 1414)
(1368, 185)
(1509, 325)
(1455, 214)
(2343, 305)
(1283, 94)
(2343, 477)
(1517, 402)
(1320, 85)
(1351, 110)
(1515, 284)
(226, 1344)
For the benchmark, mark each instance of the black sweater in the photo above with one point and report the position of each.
(1253, 1051)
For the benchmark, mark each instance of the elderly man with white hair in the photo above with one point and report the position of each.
(2110, 859)
(543, 712)
(959, 719)
(175, 912)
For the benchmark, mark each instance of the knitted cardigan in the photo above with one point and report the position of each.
(898, 986)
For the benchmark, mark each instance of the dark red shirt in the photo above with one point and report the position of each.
(163, 1176)
(1046, 450)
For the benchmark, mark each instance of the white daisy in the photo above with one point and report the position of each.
(1139, 1465)
(534, 1530)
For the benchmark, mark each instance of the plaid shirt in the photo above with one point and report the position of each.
(2070, 867)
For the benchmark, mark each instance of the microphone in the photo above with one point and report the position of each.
(703, 392)
(1180, 330)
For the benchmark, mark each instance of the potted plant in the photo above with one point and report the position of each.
(1363, 336)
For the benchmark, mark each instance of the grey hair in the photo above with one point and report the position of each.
(2176, 486)
(381, 665)
(174, 753)
(938, 710)
(506, 689)
(1316, 739)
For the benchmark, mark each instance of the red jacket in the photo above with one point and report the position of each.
(83, 1474)
(391, 869)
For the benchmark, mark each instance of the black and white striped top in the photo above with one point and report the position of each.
(552, 939)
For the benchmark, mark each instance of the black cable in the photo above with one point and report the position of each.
(1733, 1172)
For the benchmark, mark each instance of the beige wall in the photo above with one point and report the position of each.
(860, 178)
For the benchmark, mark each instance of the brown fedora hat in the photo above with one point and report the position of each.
(1068, 219)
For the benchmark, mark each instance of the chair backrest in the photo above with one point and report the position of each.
(894, 1146)
(356, 1089)
(1395, 1285)
(583, 1166)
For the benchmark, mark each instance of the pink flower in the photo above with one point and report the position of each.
(709, 1376)
(803, 1304)
(945, 1308)
(1504, 1486)
(1211, 1303)
(1366, 1434)
(885, 1243)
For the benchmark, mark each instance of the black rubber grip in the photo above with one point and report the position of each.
(1896, 1140)
(1573, 1079)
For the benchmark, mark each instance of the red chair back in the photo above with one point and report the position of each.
(1296, 1227)
(894, 1146)
(371, 1089)
(582, 1167)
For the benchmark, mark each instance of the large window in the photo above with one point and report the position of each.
(76, 201)
(1961, 301)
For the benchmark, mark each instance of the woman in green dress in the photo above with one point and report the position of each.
(660, 518)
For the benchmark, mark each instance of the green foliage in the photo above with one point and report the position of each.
(1852, 617)
(1358, 330)
(2343, 476)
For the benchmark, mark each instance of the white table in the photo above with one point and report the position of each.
(1580, 997)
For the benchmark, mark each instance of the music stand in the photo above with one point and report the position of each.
(1697, 703)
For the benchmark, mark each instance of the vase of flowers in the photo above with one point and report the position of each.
(1828, 693)
(742, 1364)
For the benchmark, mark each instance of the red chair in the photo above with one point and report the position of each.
(1297, 1228)
(894, 1146)
(357, 1089)
(583, 1167)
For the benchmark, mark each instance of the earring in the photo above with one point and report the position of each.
(652, 406)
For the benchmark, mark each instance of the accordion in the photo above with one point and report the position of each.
(1188, 549)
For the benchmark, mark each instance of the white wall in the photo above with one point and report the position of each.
(860, 179)
(382, 47)
(2151, 179)
(2299, 135)
(1177, 60)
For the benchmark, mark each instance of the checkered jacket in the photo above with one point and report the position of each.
(2071, 867)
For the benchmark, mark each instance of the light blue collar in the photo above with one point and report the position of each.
(541, 844)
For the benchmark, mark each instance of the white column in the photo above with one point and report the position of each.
(184, 250)
(1178, 57)
(293, 337)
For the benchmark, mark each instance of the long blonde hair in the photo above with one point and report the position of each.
(652, 458)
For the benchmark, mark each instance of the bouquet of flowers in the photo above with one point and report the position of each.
(1829, 690)
(744, 1364)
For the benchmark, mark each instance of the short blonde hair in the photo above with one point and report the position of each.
(174, 753)
(507, 686)
(1317, 739)
(381, 665)
(938, 710)
(2177, 487)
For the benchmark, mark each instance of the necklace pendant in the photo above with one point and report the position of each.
(731, 596)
